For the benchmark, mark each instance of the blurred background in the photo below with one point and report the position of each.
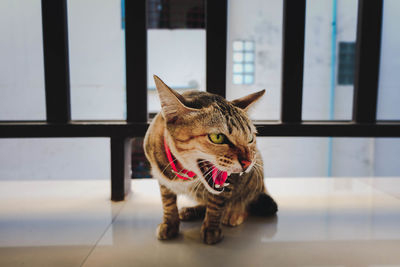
(176, 53)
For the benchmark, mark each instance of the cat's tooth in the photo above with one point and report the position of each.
(226, 184)
(241, 173)
(217, 186)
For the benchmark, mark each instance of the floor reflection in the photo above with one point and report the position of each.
(321, 222)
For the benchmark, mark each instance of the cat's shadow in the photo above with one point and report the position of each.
(254, 230)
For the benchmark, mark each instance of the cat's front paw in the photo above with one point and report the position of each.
(211, 235)
(234, 218)
(167, 231)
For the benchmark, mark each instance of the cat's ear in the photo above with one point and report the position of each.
(247, 101)
(172, 103)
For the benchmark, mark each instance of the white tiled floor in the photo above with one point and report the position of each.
(321, 222)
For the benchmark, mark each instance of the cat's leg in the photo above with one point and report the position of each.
(192, 213)
(263, 205)
(169, 228)
(211, 229)
(234, 215)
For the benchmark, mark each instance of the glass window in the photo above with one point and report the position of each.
(248, 79)
(237, 46)
(237, 68)
(248, 57)
(346, 63)
(237, 57)
(243, 62)
(22, 94)
(237, 78)
(248, 68)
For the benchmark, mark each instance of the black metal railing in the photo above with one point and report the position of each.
(57, 86)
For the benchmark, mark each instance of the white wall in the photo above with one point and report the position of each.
(55, 159)
(386, 155)
(293, 157)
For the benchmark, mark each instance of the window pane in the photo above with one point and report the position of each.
(237, 46)
(22, 95)
(237, 57)
(324, 96)
(346, 63)
(256, 25)
(97, 60)
(248, 79)
(248, 57)
(248, 68)
(387, 161)
(237, 78)
(389, 78)
(237, 68)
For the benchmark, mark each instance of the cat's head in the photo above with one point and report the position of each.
(209, 135)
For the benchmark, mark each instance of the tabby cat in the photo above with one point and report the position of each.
(204, 146)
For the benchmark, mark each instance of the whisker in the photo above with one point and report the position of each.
(169, 164)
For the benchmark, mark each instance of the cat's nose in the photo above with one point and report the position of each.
(245, 164)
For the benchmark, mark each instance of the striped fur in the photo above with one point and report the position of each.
(185, 122)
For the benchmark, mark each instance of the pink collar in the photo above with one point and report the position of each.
(183, 174)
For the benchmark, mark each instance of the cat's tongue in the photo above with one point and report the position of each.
(219, 176)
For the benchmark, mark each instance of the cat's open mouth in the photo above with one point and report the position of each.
(214, 177)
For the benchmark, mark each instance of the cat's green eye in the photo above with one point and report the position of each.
(217, 138)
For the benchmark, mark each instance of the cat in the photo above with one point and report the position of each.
(204, 146)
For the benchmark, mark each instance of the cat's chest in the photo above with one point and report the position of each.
(177, 186)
